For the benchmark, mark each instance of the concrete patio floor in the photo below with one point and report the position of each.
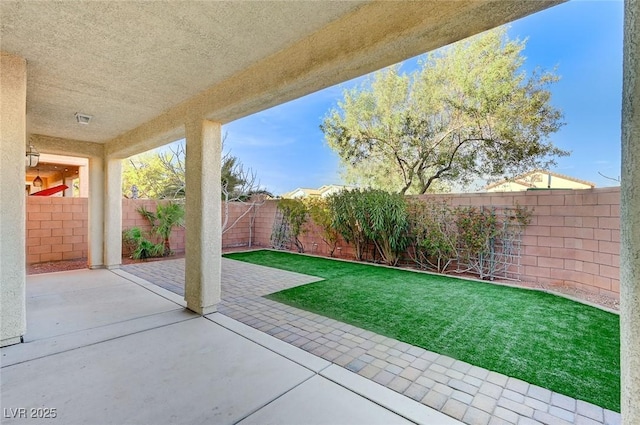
(474, 395)
(103, 347)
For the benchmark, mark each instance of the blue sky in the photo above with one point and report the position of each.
(582, 40)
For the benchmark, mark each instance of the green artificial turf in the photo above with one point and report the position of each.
(540, 338)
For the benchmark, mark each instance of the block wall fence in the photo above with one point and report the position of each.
(573, 238)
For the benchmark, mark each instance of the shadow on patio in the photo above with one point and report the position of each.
(107, 347)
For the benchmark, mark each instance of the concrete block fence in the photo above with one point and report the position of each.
(56, 229)
(573, 238)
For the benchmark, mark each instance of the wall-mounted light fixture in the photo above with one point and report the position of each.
(33, 156)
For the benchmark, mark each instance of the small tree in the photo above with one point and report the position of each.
(294, 212)
(163, 221)
(346, 207)
(433, 235)
(321, 215)
(385, 222)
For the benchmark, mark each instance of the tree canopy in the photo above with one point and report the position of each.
(468, 112)
(161, 175)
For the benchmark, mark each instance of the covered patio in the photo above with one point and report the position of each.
(104, 347)
(146, 74)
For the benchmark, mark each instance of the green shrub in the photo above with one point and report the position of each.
(372, 215)
(346, 209)
(433, 235)
(384, 220)
(163, 221)
(294, 214)
(139, 246)
(321, 215)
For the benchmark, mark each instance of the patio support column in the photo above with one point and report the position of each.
(96, 213)
(203, 216)
(83, 175)
(13, 92)
(113, 214)
(630, 218)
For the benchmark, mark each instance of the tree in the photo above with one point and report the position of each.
(151, 177)
(371, 216)
(161, 175)
(163, 221)
(320, 213)
(468, 112)
(346, 209)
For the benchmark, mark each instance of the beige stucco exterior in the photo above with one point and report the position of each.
(630, 219)
(539, 179)
(13, 91)
(321, 192)
(152, 72)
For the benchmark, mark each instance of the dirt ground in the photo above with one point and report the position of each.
(601, 300)
(81, 263)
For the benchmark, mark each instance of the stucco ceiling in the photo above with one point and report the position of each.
(135, 66)
(125, 62)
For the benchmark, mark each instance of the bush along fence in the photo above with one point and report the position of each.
(388, 228)
(549, 237)
(572, 236)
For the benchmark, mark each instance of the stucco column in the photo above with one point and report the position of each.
(203, 216)
(83, 175)
(630, 218)
(113, 214)
(96, 213)
(68, 193)
(13, 92)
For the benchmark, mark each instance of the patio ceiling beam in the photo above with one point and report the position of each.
(67, 147)
(373, 36)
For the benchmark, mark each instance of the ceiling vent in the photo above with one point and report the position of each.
(83, 118)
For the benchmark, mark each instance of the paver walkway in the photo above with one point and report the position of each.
(469, 393)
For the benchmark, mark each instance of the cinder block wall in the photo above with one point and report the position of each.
(573, 239)
(239, 232)
(132, 218)
(263, 224)
(56, 228)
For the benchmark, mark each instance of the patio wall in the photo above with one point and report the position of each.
(56, 228)
(573, 239)
(239, 233)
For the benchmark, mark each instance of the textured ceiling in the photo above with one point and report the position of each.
(126, 62)
(142, 68)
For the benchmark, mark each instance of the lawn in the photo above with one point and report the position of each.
(540, 338)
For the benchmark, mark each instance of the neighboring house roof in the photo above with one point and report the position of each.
(539, 179)
(321, 192)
